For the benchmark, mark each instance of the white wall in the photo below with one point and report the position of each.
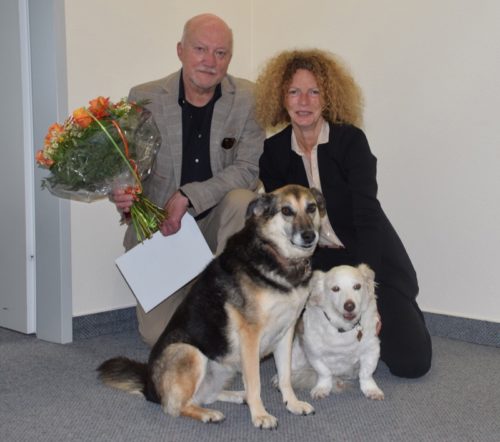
(429, 71)
(113, 45)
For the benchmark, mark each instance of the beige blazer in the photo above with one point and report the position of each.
(233, 118)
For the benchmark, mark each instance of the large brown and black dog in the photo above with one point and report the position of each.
(243, 306)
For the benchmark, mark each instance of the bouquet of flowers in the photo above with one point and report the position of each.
(101, 146)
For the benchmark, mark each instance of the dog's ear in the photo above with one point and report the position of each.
(317, 288)
(369, 277)
(320, 201)
(263, 205)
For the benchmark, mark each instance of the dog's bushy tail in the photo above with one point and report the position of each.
(124, 374)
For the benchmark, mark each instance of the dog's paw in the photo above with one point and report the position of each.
(265, 421)
(300, 408)
(320, 392)
(370, 389)
(339, 386)
(211, 416)
(374, 393)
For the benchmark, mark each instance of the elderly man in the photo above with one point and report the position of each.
(208, 161)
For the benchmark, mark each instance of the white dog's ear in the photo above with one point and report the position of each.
(369, 277)
(317, 288)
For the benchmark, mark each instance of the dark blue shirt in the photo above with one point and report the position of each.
(196, 124)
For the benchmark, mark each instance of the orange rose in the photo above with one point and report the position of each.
(56, 128)
(99, 107)
(54, 132)
(82, 118)
(43, 160)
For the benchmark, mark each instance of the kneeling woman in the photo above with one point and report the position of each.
(322, 147)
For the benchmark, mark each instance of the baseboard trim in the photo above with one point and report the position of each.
(105, 323)
(463, 329)
(452, 327)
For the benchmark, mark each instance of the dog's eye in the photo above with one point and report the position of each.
(286, 211)
(357, 286)
(335, 288)
(311, 208)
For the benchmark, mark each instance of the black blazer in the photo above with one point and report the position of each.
(347, 170)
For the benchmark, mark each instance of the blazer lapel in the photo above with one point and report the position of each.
(172, 120)
(222, 109)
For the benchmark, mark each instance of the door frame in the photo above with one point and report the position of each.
(29, 165)
(52, 217)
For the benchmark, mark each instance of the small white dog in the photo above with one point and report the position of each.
(337, 335)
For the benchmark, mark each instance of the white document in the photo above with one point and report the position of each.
(161, 265)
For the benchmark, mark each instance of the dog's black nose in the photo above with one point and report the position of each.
(349, 306)
(308, 236)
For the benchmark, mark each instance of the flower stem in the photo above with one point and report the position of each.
(146, 216)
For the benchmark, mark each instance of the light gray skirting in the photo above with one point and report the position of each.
(105, 323)
(462, 329)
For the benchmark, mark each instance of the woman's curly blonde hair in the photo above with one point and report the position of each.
(342, 98)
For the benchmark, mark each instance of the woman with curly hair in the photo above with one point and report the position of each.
(314, 95)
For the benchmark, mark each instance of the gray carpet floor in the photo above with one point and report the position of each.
(49, 392)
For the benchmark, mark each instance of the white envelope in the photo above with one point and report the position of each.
(161, 265)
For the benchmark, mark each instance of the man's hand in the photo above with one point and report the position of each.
(175, 208)
(122, 199)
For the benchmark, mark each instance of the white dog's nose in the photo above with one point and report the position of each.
(349, 306)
